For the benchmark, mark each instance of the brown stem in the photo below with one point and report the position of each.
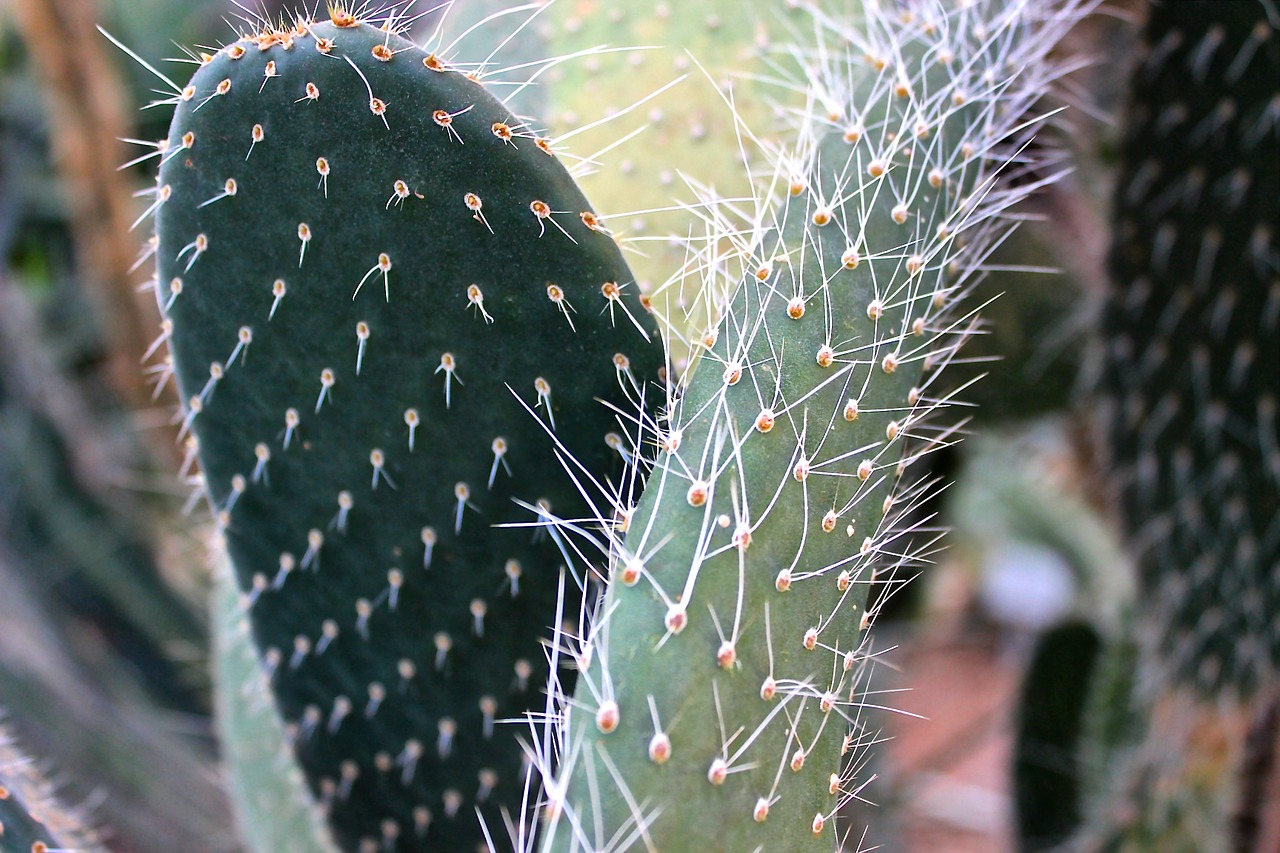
(87, 116)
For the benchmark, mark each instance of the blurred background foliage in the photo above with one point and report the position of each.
(104, 629)
(105, 635)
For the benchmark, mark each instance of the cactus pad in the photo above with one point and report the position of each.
(385, 296)
(719, 707)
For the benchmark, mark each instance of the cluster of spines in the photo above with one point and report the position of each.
(32, 820)
(720, 685)
(436, 692)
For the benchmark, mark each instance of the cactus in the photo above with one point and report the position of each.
(1187, 375)
(720, 684)
(31, 818)
(274, 808)
(719, 673)
(1047, 768)
(384, 298)
(1190, 377)
(1192, 329)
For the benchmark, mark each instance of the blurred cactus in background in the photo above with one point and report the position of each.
(1192, 334)
(562, 395)
(1187, 370)
(1191, 373)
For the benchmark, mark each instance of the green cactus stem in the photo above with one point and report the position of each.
(1047, 772)
(719, 705)
(384, 295)
(275, 809)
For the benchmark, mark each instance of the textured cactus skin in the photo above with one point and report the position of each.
(683, 675)
(377, 644)
(723, 676)
(1193, 340)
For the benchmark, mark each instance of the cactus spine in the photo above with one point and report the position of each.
(384, 295)
(718, 706)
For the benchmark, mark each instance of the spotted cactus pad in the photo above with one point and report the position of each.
(720, 704)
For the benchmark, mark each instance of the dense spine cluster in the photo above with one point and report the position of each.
(719, 701)
(387, 306)
(1192, 340)
(31, 818)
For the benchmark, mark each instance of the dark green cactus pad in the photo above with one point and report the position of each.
(1192, 360)
(385, 295)
(1046, 769)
